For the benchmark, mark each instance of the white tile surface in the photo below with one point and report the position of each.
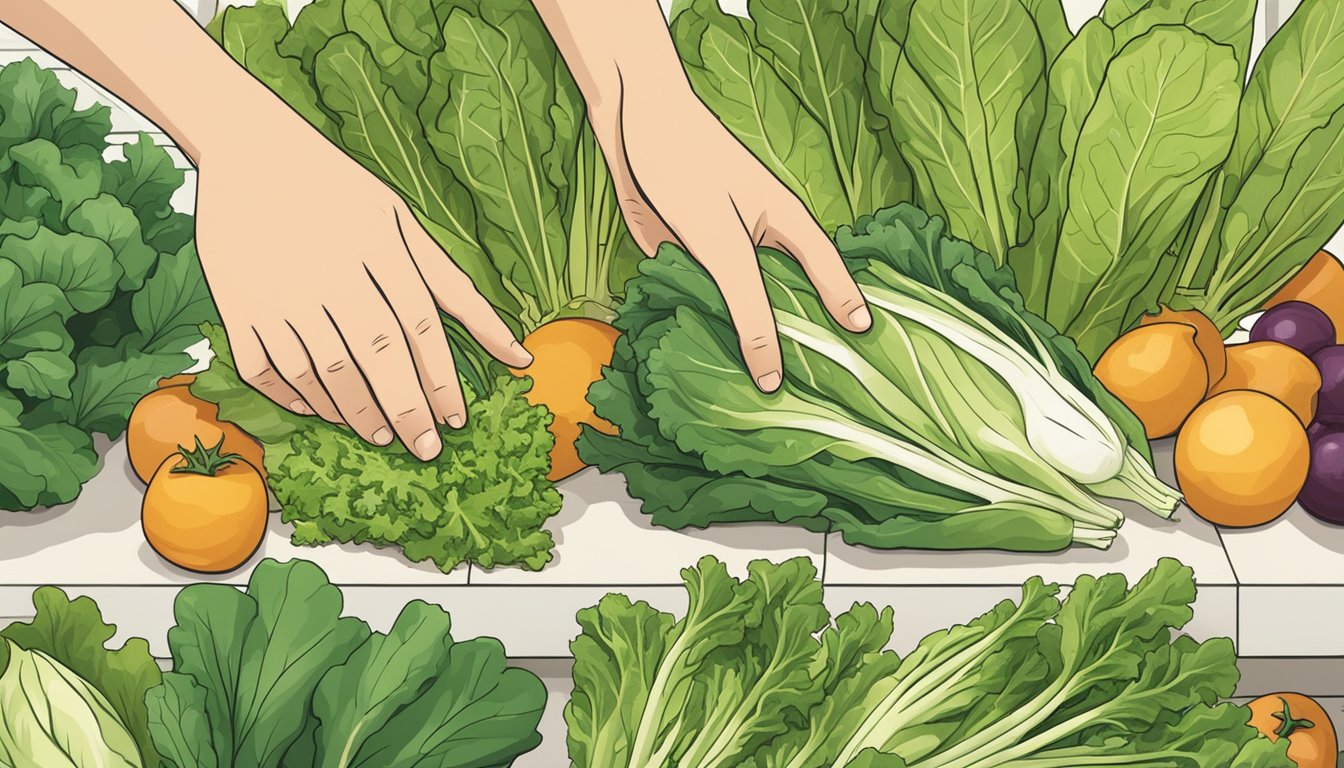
(97, 541)
(603, 539)
(1302, 620)
(1296, 549)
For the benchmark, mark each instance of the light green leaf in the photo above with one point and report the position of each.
(494, 132)
(70, 176)
(814, 51)
(110, 380)
(58, 458)
(178, 723)
(954, 109)
(1173, 94)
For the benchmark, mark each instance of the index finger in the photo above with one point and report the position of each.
(726, 251)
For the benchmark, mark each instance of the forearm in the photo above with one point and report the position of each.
(614, 48)
(180, 80)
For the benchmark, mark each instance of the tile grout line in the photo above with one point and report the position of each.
(1236, 615)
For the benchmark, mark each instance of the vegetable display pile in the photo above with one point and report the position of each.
(1117, 170)
(100, 288)
(274, 676)
(483, 500)
(758, 673)
(959, 421)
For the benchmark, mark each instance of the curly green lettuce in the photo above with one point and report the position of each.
(483, 500)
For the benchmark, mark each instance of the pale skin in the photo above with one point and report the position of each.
(329, 289)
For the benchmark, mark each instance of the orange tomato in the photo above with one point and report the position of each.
(204, 511)
(1241, 459)
(1311, 735)
(1320, 284)
(170, 417)
(568, 356)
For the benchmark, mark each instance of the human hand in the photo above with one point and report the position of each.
(328, 286)
(682, 177)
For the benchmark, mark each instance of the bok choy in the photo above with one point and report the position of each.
(958, 421)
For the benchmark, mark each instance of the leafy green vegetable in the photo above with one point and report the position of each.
(276, 676)
(758, 674)
(1282, 187)
(465, 109)
(100, 288)
(483, 500)
(52, 718)
(957, 422)
(789, 84)
(72, 633)
(954, 110)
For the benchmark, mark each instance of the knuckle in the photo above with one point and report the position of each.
(261, 377)
(425, 325)
(337, 365)
(380, 343)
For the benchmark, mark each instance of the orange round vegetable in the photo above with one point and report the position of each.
(1320, 284)
(568, 356)
(1277, 370)
(170, 417)
(1207, 338)
(1241, 459)
(1158, 372)
(181, 379)
(204, 510)
(1311, 736)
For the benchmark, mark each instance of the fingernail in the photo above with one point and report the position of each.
(456, 421)
(861, 319)
(427, 445)
(300, 407)
(522, 352)
(769, 382)
(383, 436)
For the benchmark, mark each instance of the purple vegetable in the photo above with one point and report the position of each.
(1330, 404)
(1323, 494)
(1297, 324)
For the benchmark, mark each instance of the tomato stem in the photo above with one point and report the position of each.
(1290, 724)
(204, 461)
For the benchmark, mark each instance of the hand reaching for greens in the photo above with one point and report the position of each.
(344, 322)
(325, 281)
(682, 177)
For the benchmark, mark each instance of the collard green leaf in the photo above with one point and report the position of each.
(58, 458)
(1174, 94)
(84, 269)
(38, 106)
(41, 374)
(178, 723)
(71, 176)
(259, 656)
(144, 181)
(490, 126)
(317, 22)
(414, 696)
(110, 380)
(173, 303)
(814, 52)
(954, 112)
(73, 633)
(107, 219)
